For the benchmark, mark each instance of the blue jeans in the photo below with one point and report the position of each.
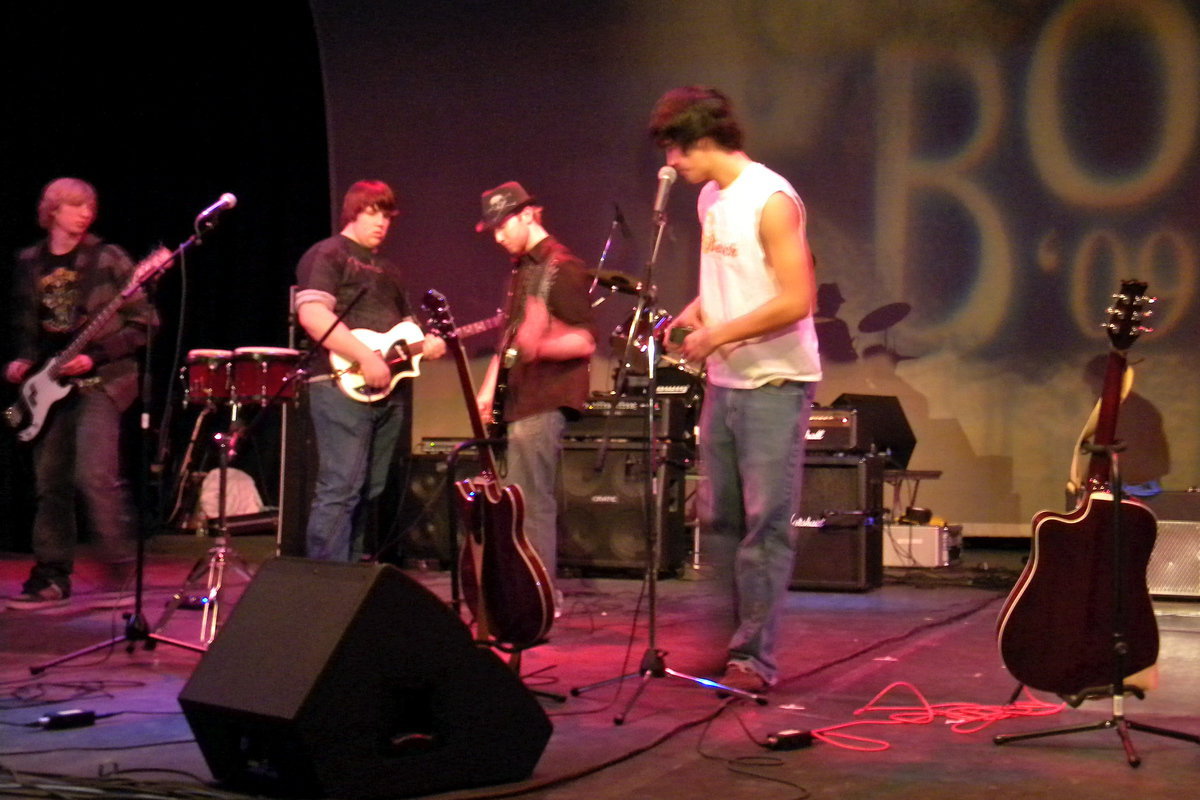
(355, 443)
(752, 451)
(80, 449)
(533, 454)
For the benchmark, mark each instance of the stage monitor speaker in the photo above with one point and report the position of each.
(882, 423)
(602, 519)
(380, 693)
(840, 532)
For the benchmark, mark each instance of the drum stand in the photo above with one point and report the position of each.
(221, 556)
(653, 663)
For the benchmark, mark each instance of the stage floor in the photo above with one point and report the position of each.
(925, 636)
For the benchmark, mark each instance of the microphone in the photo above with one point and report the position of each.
(666, 178)
(226, 200)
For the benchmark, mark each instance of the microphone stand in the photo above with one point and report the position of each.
(653, 663)
(136, 628)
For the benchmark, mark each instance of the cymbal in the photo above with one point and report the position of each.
(617, 281)
(884, 317)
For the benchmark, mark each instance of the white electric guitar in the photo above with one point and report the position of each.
(48, 385)
(401, 348)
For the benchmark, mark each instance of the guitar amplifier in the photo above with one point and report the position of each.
(834, 430)
(674, 419)
(839, 543)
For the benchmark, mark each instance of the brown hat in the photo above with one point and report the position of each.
(501, 203)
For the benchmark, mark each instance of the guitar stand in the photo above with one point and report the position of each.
(1118, 689)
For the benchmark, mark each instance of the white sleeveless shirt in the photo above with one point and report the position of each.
(735, 278)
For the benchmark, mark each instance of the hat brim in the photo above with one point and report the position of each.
(484, 225)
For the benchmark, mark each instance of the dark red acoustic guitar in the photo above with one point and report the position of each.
(1056, 628)
(504, 581)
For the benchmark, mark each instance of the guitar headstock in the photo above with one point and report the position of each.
(149, 267)
(1127, 313)
(440, 318)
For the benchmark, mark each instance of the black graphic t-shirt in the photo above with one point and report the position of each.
(60, 305)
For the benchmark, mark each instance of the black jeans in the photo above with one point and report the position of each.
(79, 448)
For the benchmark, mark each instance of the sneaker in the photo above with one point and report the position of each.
(739, 675)
(51, 595)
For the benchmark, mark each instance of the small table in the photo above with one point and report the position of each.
(896, 478)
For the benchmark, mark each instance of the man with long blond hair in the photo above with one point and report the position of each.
(60, 285)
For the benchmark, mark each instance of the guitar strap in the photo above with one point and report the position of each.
(1080, 460)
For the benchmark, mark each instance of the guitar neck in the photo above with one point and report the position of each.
(1098, 473)
(483, 325)
(478, 430)
(144, 270)
(85, 336)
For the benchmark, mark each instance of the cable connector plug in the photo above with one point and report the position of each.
(71, 718)
(790, 740)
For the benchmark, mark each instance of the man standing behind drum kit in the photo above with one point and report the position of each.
(355, 439)
(753, 323)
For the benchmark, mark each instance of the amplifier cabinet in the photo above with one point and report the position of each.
(602, 514)
(1174, 569)
(839, 544)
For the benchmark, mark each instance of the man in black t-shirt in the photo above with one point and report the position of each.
(61, 285)
(550, 320)
(355, 437)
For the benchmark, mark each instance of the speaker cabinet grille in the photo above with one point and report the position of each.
(602, 515)
(840, 537)
(1174, 568)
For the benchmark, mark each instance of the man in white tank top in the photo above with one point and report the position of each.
(752, 324)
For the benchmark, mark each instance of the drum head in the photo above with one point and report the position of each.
(197, 355)
(268, 352)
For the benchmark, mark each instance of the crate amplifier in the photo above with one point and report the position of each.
(674, 419)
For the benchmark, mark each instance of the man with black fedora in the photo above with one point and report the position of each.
(547, 350)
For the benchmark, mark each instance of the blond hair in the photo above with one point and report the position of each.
(61, 191)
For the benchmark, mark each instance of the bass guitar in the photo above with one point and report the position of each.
(40, 391)
(402, 348)
(1056, 629)
(504, 581)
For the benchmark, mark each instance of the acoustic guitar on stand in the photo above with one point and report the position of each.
(504, 582)
(1056, 630)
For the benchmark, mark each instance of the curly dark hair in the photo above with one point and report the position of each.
(686, 115)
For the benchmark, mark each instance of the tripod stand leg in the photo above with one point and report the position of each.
(619, 719)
